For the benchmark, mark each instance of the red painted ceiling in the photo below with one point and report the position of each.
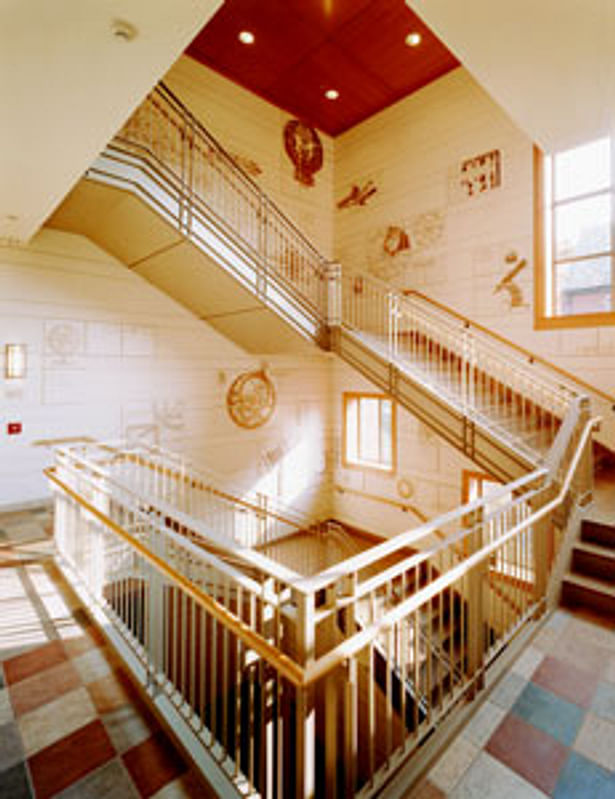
(304, 47)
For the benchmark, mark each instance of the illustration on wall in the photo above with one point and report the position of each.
(399, 249)
(396, 240)
(64, 340)
(481, 173)
(303, 147)
(250, 400)
(358, 195)
(169, 415)
(507, 283)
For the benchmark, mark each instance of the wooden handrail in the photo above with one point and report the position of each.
(282, 663)
(350, 647)
(531, 356)
(394, 503)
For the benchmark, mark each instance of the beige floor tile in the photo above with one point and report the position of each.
(527, 662)
(127, 727)
(487, 778)
(484, 723)
(596, 741)
(93, 665)
(185, 787)
(53, 721)
(609, 671)
(6, 711)
(453, 764)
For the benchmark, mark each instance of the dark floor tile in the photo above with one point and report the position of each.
(11, 747)
(153, 763)
(28, 694)
(57, 766)
(582, 779)
(566, 680)
(14, 783)
(555, 716)
(528, 751)
(108, 782)
(36, 660)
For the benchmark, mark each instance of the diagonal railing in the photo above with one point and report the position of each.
(454, 375)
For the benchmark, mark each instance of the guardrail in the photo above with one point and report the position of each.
(255, 665)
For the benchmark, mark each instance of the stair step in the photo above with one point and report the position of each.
(594, 560)
(578, 589)
(598, 533)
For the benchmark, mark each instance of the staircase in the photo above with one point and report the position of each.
(590, 583)
(166, 199)
(359, 662)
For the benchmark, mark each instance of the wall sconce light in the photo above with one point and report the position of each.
(14, 361)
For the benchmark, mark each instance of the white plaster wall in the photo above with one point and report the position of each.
(108, 354)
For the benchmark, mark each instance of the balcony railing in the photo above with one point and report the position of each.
(283, 685)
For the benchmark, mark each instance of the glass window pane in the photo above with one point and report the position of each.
(583, 227)
(369, 421)
(386, 432)
(584, 286)
(583, 169)
(352, 429)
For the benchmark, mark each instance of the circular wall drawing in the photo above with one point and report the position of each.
(251, 399)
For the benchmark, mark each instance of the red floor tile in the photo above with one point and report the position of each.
(43, 687)
(43, 657)
(153, 763)
(111, 692)
(426, 790)
(69, 759)
(530, 752)
(566, 680)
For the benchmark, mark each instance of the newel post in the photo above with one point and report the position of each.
(583, 480)
(305, 715)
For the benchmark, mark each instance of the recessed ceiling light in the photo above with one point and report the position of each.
(246, 37)
(413, 39)
(332, 94)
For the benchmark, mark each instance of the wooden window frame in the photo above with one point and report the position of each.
(348, 464)
(541, 320)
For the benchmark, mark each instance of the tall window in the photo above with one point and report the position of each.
(369, 431)
(577, 278)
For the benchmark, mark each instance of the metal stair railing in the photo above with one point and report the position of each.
(485, 380)
(165, 154)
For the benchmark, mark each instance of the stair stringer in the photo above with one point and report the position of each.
(147, 179)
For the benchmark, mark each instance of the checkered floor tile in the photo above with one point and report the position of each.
(71, 722)
(548, 726)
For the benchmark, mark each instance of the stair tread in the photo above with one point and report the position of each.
(604, 550)
(592, 583)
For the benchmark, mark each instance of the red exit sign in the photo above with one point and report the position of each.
(14, 428)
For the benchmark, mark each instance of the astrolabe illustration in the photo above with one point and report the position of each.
(250, 400)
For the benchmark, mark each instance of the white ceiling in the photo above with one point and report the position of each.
(549, 63)
(67, 85)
